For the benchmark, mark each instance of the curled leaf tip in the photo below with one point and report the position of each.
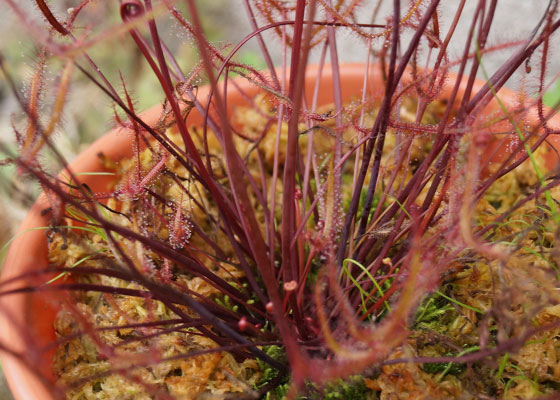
(131, 9)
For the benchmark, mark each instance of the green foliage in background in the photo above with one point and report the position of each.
(552, 97)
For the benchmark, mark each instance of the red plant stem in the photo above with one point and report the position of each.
(309, 162)
(245, 266)
(299, 243)
(497, 80)
(163, 77)
(481, 42)
(243, 167)
(300, 52)
(368, 151)
(432, 207)
(208, 120)
(164, 293)
(248, 220)
(358, 158)
(159, 247)
(274, 179)
(166, 79)
(303, 221)
(154, 134)
(337, 94)
(383, 118)
(136, 143)
(276, 161)
(447, 113)
(176, 71)
(296, 47)
(262, 44)
(441, 140)
(307, 268)
(150, 324)
(50, 17)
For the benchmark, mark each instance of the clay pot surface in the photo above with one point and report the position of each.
(27, 319)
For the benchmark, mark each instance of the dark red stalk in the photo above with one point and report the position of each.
(497, 80)
(300, 51)
(154, 134)
(272, 239)
(441, 140)
(159, 247)
(486, 23)
(378, 136)
(166, 84)
(250, 225)
(137, 134)
(262, 44)
(296, 47)
(163, 77)
(543, 64)
(442, 124)
(97, 70)
(241, 163)
(369, 148)
(306, 190)
(165, 294)
(50, 17)
(337, 94)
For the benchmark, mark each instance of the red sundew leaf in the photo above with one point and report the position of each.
(33, 105)
(51, 18)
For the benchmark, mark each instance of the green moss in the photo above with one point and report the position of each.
(436, 368)
(431, 312)
(552, 97)
(354, 388)
(271, 373)
(227, 303)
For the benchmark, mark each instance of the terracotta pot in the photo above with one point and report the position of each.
(28, 251)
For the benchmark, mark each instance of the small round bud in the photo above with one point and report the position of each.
(242, 324)
(269, 307)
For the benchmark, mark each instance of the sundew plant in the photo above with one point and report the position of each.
(326, 235)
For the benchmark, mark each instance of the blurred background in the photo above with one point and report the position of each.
(88, 113)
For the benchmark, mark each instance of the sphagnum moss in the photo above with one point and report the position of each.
(446, 324)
